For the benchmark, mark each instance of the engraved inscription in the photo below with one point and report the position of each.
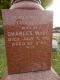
(27, 36)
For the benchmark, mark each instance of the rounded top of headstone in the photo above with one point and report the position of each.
(26, 4)
(16, 1)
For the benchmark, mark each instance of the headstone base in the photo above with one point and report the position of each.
(40, 75)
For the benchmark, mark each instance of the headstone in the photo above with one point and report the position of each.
(28, 38)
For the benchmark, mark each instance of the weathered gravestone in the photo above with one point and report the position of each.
(28, 37)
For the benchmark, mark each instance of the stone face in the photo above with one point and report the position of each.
(28, 36)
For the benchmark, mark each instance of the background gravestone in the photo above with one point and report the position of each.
(28, 37)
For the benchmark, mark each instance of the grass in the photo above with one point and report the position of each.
(55, 59)
(1, 40)
(0, 22)
(2, 62)
(2, 58)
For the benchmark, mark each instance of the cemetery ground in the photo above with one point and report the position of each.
(55, 58)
